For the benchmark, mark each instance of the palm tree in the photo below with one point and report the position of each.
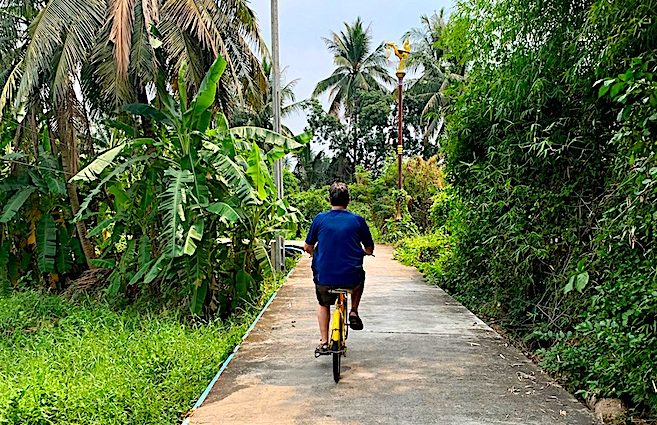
(122, 45)
(428, 57)
(260, 114)
(358, 68)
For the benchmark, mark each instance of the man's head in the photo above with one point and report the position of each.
(339, 195)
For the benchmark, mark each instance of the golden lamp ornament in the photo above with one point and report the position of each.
(402, 53)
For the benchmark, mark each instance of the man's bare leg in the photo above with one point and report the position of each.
(356, 294)
(323, 314)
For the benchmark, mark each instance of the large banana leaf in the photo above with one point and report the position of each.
(98, 165)
(114, 282)
(95, 191)
(208, 89)
(172, 206)
(225, 211)
(127, 129)
(15, 203)
(235, 179)
(270, 137)
(262, 255)
(148, 111)
(157, 268)
(196, 276)
(55, 185)
(243, 282)
(125, 269)
(46, 244)
(143, 251)
(195, 233)
(64, 260)
(143, 269)
(100, 227)
(258, 172)
(199, 293)
(182, 86)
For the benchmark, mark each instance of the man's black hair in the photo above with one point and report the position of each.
(339, 195)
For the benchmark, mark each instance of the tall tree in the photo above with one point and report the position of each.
(120, 46)
(260, 114)
(358, 67)
(436, 69)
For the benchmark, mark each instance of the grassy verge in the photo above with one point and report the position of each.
(85, 363)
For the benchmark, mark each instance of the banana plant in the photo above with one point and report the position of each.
(194, 207)
(34, 233)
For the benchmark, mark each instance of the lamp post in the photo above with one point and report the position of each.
(402, 54)
(400, 148)
(278, 254)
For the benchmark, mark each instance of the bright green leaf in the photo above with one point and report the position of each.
(15, 203)
(225, 211)
(195, 233)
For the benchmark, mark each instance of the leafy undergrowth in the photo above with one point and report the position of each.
(84, 363)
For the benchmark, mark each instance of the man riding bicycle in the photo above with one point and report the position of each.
(338, 240)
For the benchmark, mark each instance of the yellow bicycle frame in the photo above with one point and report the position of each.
(338, 333)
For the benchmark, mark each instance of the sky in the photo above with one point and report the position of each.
(304, 23)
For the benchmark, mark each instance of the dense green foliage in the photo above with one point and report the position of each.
(191, 209)
(87, 363)
(115, 50)
(375, 198)
(550, 227)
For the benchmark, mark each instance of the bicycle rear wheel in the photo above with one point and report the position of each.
(337, 360)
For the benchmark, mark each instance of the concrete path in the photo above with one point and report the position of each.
(422, 359)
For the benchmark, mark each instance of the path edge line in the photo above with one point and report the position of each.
(224, 365)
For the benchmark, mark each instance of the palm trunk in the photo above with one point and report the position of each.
(70, 162)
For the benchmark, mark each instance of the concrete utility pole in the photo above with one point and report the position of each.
(278, 253)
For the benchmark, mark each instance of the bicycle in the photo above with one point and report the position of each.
(339, 331)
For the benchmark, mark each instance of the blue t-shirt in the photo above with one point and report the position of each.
(340, 236)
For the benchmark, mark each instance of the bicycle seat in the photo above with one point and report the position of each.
(340, 291)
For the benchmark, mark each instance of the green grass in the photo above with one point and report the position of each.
(85, 363)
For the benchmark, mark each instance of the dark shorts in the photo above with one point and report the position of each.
(327, 299)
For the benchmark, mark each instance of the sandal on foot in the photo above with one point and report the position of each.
(322, 350)
(355, 323)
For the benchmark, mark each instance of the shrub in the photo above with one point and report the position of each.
(396, 230)
(430, 253)
(442, 204)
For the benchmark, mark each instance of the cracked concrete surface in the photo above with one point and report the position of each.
(422, 358)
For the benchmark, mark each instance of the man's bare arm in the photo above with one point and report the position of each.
(369, 250)
(309, 249)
